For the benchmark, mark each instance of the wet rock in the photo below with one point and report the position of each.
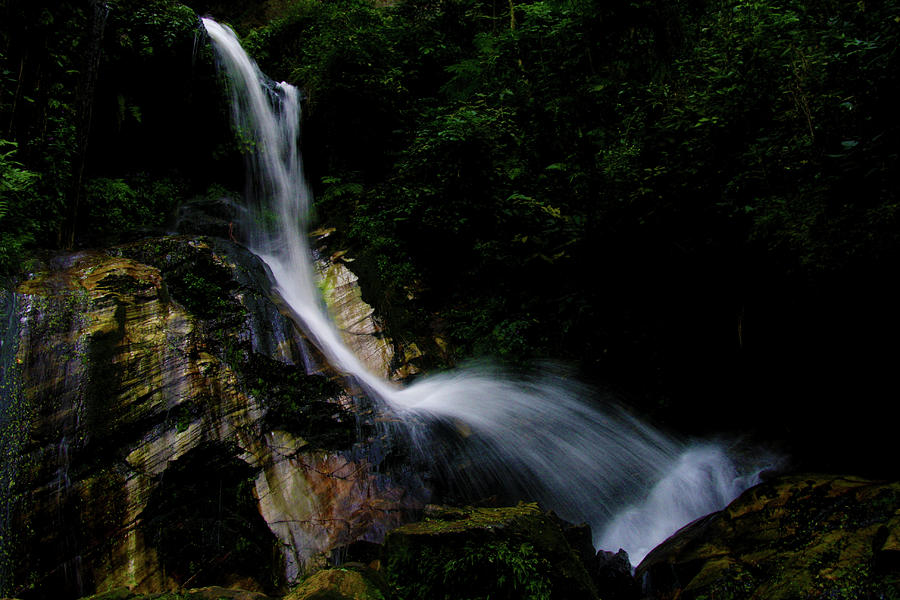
(358, 324)
(315, 501)
(612, 576)
(354, 318)
(206, 593)
(579, 538)
(801, 536)
(131, 362)
(610, 572)
(361, 328)
(351, 582)
(510, 552)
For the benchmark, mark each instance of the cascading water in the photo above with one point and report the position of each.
(544, 436)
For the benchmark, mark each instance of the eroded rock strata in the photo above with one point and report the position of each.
(172, 428)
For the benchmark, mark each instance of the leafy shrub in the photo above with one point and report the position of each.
(117, 206)
(496, 570)
(16, 194)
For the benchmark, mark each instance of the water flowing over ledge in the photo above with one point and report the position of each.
(541, 436)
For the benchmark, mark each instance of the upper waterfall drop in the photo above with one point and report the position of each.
(543, 436)
(278, 206)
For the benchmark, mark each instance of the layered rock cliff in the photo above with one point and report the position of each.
(164, 424)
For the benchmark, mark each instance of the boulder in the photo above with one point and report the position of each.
(515, 552)
(799, 536)
(612, 575)
(349, 582)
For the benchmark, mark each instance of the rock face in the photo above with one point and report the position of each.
(792, 537)
(161, 427)
(360, 328)
(353, 317)
(511, 552)
(164, 425)
(206, 593)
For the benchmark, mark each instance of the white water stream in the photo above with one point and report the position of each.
(545, 436)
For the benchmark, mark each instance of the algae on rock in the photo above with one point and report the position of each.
(138, 361)
(349, 582)
(511, 552)
(799, 536)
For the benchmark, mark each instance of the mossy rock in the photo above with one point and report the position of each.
(119, 379)
(205, 593)
(515, 552)
(352, 582)
(195, 274)
(802, 536)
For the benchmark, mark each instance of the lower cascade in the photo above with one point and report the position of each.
(541, 436)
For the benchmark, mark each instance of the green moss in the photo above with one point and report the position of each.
(730, 581)
(206, 593)
(193, 275)
(104, 508)
(444, 520)
(56, 311)
(493, 570)
(344, 583)
(205, 284)
(182, 415)
(299, 403)
(474, 553)
(16, 416)
(202, 295)
(116, 594)
(792, 537)
(123, 284)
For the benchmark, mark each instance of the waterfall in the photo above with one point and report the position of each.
(542, 436)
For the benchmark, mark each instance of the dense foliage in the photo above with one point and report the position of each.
(97, 104)
(492, 570)
(693, 200)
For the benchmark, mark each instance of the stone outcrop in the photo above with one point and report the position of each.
(206, 593)
(349, 582)
(612, 574)
(791, 537)
(164, 424)
(509, 552)
(361, 329)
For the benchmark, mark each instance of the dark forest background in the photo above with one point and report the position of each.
(692, 202)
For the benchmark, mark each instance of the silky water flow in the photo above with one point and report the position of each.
(542, 437)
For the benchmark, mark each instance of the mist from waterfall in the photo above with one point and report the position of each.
(541, 436)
